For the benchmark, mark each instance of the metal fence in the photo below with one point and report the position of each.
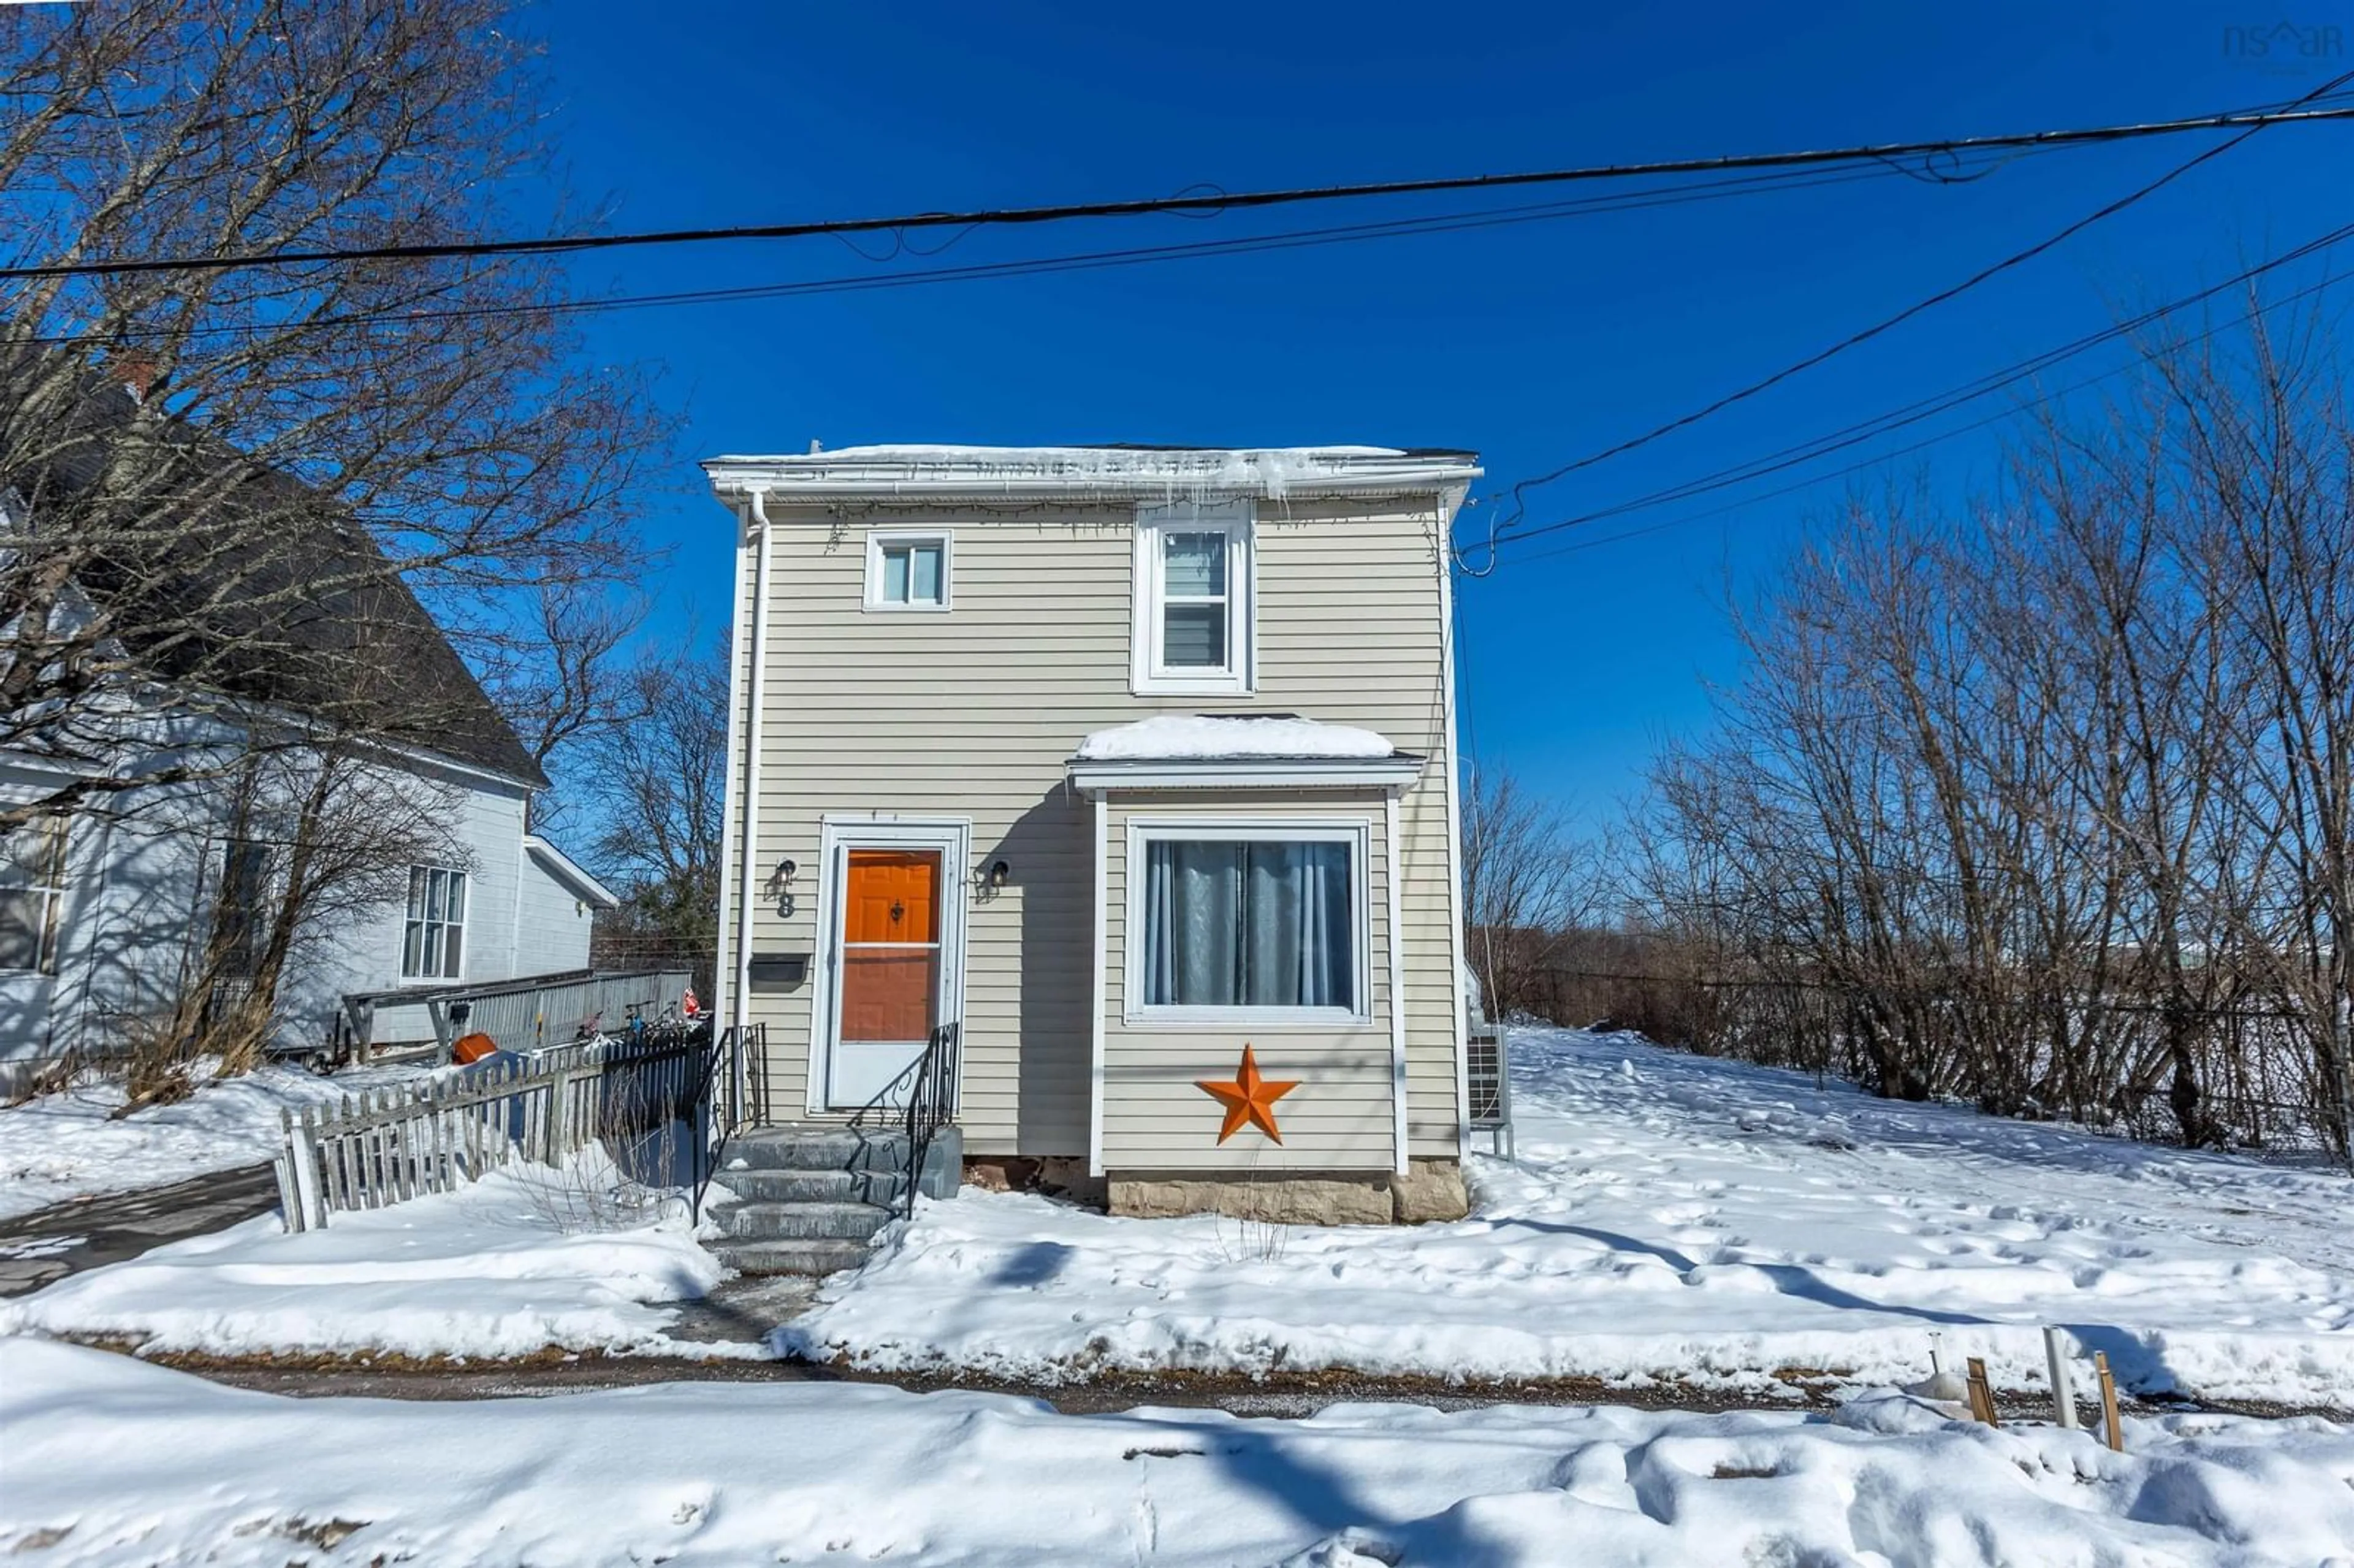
(390, 1145)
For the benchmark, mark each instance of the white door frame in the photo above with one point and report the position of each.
(838, 834)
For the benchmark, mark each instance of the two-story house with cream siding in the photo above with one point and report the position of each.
(1131, 764)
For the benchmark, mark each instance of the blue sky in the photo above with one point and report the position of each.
(1533, 344)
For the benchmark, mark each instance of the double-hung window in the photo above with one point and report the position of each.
(1194, 628)
(32, 894)
(908, 571)
(1230, 924)
(433, 939)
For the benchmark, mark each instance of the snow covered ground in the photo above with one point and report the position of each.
(112, 1461)
(63, 1146)
(525, 1259)
(1672, 1216)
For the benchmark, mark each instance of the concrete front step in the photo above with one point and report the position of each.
(758, 1186)
(809, 1197)
(801, 1221)
(816, 1147)
(807, 1258)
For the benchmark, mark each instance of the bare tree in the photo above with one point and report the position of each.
(1527, 881)
(224, 482)
(241, 503)
(2047, 802)
(658, 786)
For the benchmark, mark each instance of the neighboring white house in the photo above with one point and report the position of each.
(1137, 766)
(106, 910)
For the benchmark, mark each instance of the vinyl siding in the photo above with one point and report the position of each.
(974, 713)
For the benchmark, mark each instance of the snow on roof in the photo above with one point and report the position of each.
(1166, 737)
(1172, 472)
(921, 452)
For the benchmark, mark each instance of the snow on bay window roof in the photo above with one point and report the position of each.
(1175, 737)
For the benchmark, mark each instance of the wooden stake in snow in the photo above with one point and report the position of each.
(2063, 1390)
(1982, 1394)
(2109, 1401)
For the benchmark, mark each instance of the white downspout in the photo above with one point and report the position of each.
(748, 838)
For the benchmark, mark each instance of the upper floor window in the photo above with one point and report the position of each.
(433, 940)
(32, 894)
(1194, 629)
(908, 571)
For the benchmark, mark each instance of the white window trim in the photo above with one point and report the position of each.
(882, 539)
(1147, 675)
(1354, 831)
(466, 926)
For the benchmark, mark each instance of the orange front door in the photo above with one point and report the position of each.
(890, 946)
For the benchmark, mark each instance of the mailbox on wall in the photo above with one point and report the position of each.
(779, 971)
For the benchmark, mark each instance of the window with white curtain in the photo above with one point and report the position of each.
(1194, 625)
(1265, 923)
(433, 939)
(908, 571)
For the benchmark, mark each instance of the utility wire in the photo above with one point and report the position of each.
(1202, 203)
(1926, 408)
(1961, 173)
(1519, 492)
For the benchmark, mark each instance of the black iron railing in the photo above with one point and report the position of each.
(921, 1099)
(727, 1099)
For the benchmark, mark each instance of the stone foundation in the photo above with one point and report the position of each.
(1430, 1189)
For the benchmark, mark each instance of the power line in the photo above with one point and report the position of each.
(1961, 173)
(1204, 202)
(1520, 491)
(1929, 407)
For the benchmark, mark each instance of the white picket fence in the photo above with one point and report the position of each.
(391, 1145)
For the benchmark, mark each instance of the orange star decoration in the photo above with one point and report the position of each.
(1249, 1099)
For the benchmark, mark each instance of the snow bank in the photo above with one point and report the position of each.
(1670, 1216)
(1167, 737)
(522, 1260)
(114, 1462)
(62, 1146)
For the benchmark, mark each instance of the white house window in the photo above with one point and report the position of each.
(32, 894)
(1194, 593)
(908, 571)
(1233, 925)
(433, 941)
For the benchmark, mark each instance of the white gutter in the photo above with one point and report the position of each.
(748, 834)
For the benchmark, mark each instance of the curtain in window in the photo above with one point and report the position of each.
(1247, 924)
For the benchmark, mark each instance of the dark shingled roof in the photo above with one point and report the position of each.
(306, 613)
